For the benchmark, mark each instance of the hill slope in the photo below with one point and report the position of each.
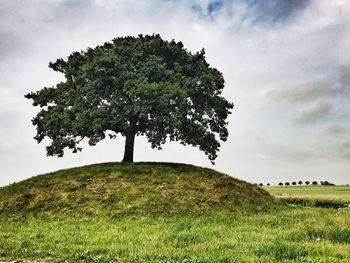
(116, 189)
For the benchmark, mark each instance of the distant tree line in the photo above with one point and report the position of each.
(299, 183)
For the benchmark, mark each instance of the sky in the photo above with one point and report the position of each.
(286, 65)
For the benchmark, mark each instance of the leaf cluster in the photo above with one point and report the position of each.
(133, 85)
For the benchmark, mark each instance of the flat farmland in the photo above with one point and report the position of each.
(319, 192)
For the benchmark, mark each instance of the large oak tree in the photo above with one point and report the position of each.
(133, 86)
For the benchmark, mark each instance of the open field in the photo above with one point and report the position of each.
(341, 193)
(285, 235)
(152, 212)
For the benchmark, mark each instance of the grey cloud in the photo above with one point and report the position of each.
(337, 130)
(77, 3)
(346, 149)
(301, 93)
(289, 153)
(336, 85)
(344, 80)
(8, 151)
(317, 113)
(21, 21)
(9, 44)
(6, 118)
(9, 121)
(292, 150)
(18, 14)
(335, 147)
(33, 17)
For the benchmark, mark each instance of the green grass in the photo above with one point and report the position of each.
(319, 192)
(136, 189)
(287, 235)
(162, 213)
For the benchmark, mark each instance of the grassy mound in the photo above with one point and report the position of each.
(138, 189)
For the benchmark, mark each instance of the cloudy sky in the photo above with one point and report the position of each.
(286, 64)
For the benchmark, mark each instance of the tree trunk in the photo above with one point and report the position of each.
(129, 147)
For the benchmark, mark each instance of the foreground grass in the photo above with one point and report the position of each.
(152, 212)
(285, 235)
(340, 193)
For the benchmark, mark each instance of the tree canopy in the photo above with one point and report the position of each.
(133, 86)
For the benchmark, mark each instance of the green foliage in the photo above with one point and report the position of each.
(134, 85)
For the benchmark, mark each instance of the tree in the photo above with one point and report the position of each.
(314, 183)
(133, 86)
(307, 182)
(300, 183)
(287, 183)
(261, 184)
(268, 184)
(294, 183)
(280, 184)
(326, 183)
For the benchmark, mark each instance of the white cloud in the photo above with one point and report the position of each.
(273, 72)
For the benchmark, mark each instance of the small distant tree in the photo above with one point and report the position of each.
(326, 183)
(314, 183)
(133, 86)
(294, 183)
(261, 184)
(300, 182)
(287, 183)
(280, 184)
(307, 182)
(268, 184)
